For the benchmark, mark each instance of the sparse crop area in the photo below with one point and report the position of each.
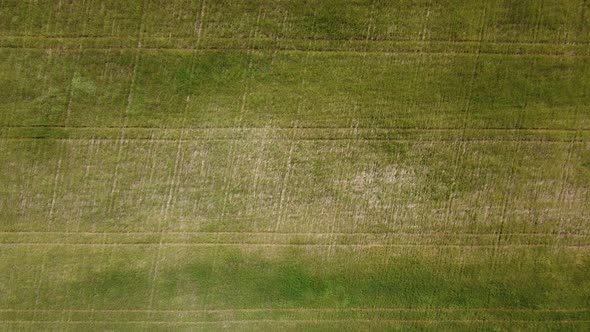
(278, 165)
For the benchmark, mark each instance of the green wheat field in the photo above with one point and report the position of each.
(294, 165)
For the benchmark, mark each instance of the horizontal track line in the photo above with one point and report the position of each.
(297, 233)
(282, 41)
(298, 310)
(362, 40)
(300, 321)
(304, 128)
(229, 244)
(297, 139)
(274, 49)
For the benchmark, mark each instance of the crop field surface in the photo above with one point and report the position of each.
(283, 165)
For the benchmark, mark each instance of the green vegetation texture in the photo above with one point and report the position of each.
(313, 165)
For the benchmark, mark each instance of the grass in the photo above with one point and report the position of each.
(289, 89)
(314, 165)
(231, 278)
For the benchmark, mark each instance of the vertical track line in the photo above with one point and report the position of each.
(248, 72)
(121, 141)
(538, 18)
(510, 182)
(284, 185)
(566, 169)
(564, 179)
(68, 106)
(164, 222)
(461, 143)
(507, 194)
(91, 152)
(257, 165)
(277, 38)
(55, 189)
(425, 30)
(41, 275)
(198, 28)
(370, 28)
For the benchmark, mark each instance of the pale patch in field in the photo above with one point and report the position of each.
(369, 179)
(375, 189)
(83, 84)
